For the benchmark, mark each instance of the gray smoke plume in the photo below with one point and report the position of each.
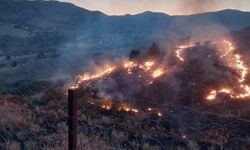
(198, 6)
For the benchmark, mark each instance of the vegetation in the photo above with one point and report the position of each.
(39, 121)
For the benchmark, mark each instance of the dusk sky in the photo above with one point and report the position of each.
(172, 7)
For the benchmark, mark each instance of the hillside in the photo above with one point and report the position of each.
(144, 81)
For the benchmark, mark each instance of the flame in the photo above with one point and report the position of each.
(241, 67)
(106, 107)
(212, 95)
(86, 77)
(106, 104)
(127, 108)
(178, 54)
(246, 92)
(180, 50)
(157, 73)
(152, 71)
(159, 114)
(229, 49)
(149, 109)
(148, 67)
(106, 71)
(237, 63)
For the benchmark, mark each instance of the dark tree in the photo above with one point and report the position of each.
(154, 51)
(134, 53)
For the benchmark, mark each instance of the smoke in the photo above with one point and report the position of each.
(179, 79)
(198, 6)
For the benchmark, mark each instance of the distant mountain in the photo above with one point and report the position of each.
(39, 39)
(242, 39)
(232, 19)
(68, 17)
(46, 24)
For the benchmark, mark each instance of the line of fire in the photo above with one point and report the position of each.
(152, 84)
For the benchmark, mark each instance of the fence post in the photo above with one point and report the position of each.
(72, 119)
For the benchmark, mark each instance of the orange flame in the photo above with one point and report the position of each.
(157, 73)
(239, 65)
(180, 50)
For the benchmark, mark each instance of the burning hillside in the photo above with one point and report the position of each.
(198, 92)
(195, 73)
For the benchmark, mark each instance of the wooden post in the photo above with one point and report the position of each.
(72, 119)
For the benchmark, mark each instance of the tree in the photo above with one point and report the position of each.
(153, 51)
(134, 53)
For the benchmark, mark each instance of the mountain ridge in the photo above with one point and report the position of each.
(76, 24)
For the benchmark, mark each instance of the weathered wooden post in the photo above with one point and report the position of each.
(72, 119)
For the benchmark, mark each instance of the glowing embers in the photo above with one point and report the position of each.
(127, 108)
(213, 94)
(106, 104)
(149, 68)
(109, 104)
(99, 74)
(149, 109)
(116, 106)
(154, 111)
(159, 114)
(87, 76)
(157, 73)
(129, 66)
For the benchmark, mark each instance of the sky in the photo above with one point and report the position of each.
(171, 7)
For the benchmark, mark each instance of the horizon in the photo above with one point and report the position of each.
(177, 7)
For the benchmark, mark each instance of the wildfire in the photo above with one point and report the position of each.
(180, 50)
(157, 73)
(240, 66)
(246, 93)
(106, 71)
(106, 107)
(127, 108)
(151, 70)
(212, 95)
(148, 67)
(109, 104)
(159, 114)
(228, 91)
(178, 54)
(229, 49)
(148, 64)
(149, 109)
(87, 76)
